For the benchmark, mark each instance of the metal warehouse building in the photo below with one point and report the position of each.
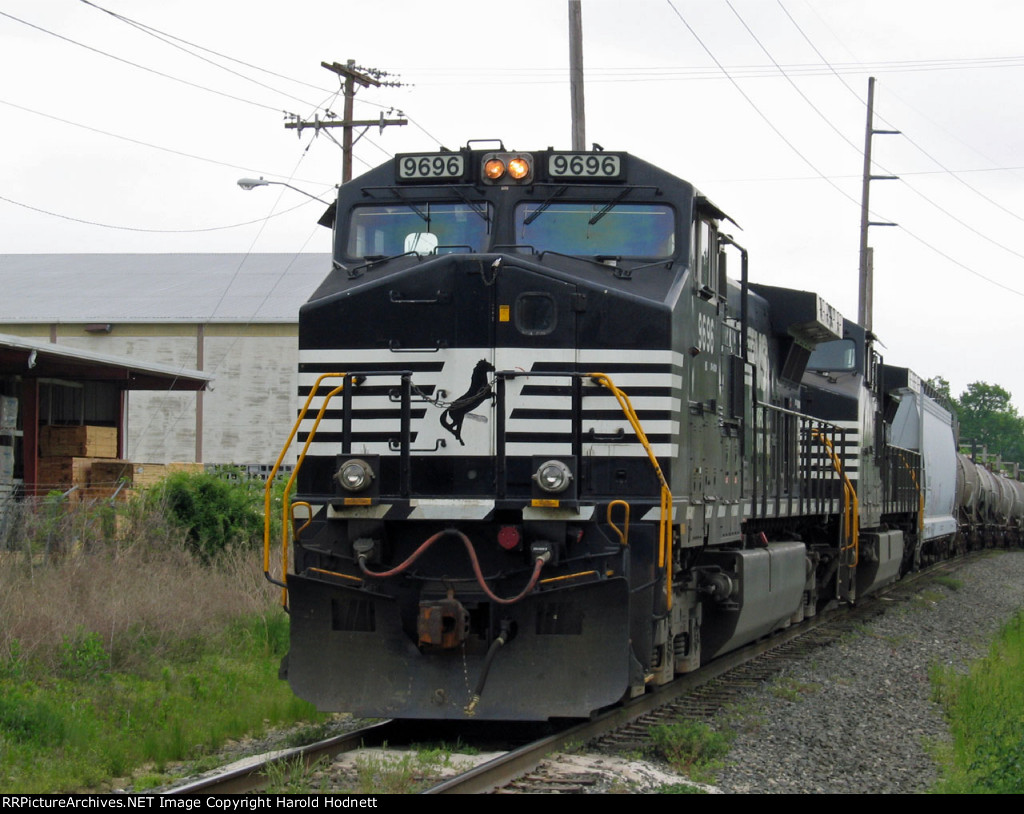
(232, 317)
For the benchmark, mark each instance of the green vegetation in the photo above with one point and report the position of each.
(679, 788)
(216, 509)
(399, 772)
(985, 709)
(127, 646)
(988, 418)
(792, 690)
(690, 747)
(947, 581)
(294, 777)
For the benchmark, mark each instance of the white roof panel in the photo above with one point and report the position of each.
(157, 287)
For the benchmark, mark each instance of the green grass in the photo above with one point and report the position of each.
(952, 583)
(985, 709)
(83, 724)
(690, 747)
(399, 773)
(790, 689)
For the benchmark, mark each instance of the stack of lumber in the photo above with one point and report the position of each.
(78, 441)
(67, 455)
(85, 456)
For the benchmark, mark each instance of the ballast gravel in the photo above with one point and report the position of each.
(857, 715)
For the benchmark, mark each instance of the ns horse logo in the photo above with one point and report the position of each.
(479, 391)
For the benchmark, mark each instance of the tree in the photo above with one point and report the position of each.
(988, 418)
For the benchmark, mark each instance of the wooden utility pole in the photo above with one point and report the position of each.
(353, 76)
(579, 123)
(866, 277)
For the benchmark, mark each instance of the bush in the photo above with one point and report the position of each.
(216, 510)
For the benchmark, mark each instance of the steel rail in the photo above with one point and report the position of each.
(251, 776)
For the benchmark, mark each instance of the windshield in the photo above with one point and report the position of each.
(626, 230)
(393, 229)
(836, 357)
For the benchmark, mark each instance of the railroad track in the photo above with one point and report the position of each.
(249, 775)
(699, 695)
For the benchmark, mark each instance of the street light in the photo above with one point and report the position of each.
(251, 183)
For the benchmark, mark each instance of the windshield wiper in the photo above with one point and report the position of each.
(480, 210)
(608, 207)
(540, 209)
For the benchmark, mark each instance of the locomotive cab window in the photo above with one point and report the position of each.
(838, 356)
(705, 255)
(426, 228)
(626, 230)
(536, 313)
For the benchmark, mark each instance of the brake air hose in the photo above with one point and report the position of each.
(426, 544)
(492, 651)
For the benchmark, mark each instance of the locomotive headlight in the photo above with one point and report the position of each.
(354, 475)
(553, 476)
(494, 168)
(518, 168)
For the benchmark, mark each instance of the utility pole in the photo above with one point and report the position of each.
(353, 76)
(866, 278)
(579, 123)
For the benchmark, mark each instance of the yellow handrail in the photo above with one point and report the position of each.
(309, 516)
(624, 531)
(665, 523)
(851, 507)
(286, 506)
(920, 493)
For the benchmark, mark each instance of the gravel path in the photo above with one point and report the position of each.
(857, 717)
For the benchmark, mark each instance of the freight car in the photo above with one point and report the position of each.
(552, 454)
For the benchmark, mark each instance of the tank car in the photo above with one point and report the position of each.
(553, 454)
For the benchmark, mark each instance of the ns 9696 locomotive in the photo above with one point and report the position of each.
(552, 454)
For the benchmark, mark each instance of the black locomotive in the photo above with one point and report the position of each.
(552, 454)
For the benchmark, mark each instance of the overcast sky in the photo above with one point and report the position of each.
(129, 136)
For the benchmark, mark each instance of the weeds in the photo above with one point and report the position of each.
(947, 581)
(309, 733)
(691, 747)
(790, 689)
(120, 647)
(293, 777)
(679, 788)
(985, 708)
(383, 772)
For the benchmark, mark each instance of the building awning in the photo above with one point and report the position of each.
(34, 359)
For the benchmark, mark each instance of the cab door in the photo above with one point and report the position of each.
(535, 322)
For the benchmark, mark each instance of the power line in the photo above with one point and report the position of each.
(758, 110)
(141, 67)
(793, 84)
(807, 161)
(140, 229)
(598, 75)
(173, 41)
(908, 185)
(157, 31)
(908, 138)
(145, 143)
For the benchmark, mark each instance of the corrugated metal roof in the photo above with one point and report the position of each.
(34, 358)
(157, 287)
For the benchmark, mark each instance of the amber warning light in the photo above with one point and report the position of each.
(506, 168)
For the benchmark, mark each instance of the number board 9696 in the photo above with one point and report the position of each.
(582, 166)
(445, 166)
